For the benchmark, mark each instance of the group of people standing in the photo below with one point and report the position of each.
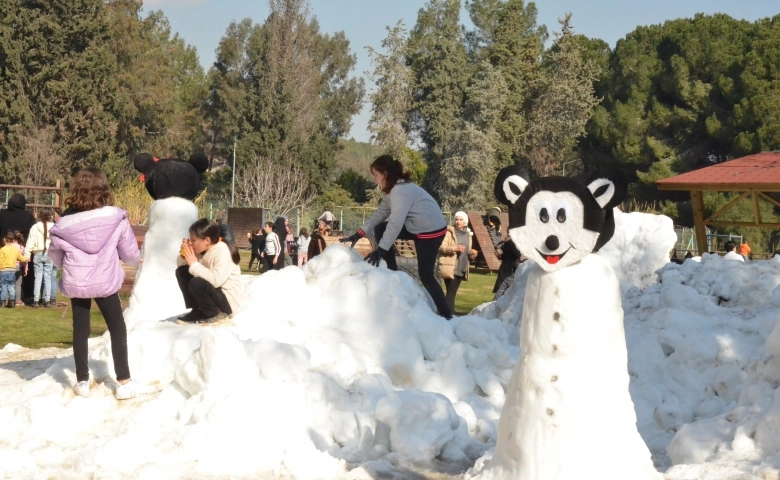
(26, 240)
(275, 246)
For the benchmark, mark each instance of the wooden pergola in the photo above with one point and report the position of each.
(754, 176)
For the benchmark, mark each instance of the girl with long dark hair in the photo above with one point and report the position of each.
(407, 212)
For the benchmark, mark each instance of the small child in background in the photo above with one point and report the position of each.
(21, 271)
(303, 247)
(38, 243)
(10, 254)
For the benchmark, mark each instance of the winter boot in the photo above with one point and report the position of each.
(34, 304)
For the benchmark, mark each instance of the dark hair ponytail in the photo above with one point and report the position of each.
(205, 228)
(46, 216)
(392, 167)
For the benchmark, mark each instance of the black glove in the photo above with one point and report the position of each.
(352, 238)
(374, 257)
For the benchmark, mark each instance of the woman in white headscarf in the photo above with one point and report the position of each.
(454, 255)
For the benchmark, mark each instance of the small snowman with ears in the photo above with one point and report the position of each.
(568, 414)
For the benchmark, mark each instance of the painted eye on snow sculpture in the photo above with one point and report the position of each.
(543, 211)
(561, 215)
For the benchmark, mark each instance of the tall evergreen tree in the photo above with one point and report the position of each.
(392, 100)
(561, 104)
(516, 47)
(468, 171)
(438, 60)
(56, 69)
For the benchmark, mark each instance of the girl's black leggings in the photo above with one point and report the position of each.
(111, 309)
(252, 259)
(201, 295)
(427, 251)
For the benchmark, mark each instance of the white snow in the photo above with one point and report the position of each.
(341, 370)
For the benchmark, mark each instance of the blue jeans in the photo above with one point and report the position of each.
(43, 265)
(53, 295)
(7, 284)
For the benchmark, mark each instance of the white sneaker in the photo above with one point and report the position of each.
(133, 389)
(82, 388)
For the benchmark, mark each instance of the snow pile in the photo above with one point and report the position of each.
(325, 368)
(341, 369)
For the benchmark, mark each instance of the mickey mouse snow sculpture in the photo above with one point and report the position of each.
(568, 414)
(173, 184)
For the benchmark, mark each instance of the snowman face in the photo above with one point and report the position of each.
(556, 221)
(553, 235)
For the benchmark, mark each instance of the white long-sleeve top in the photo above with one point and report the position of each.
(35, 241)
(272, 245)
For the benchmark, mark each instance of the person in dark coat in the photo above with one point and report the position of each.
(16, 217)
(317, 243)
(280, 229)
(257, 244)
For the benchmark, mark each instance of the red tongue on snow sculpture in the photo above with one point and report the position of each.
(552, 259)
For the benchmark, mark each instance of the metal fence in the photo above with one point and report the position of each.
(686, 241)
(347, 219)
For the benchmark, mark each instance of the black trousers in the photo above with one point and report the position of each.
(452, 285)
(252, 259)
(111, 309)
(427, 251)
(200, 295)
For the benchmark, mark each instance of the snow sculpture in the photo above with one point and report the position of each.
(568, 414)
(173, 183)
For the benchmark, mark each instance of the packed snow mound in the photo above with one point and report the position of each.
(323, 368)
(640, 246)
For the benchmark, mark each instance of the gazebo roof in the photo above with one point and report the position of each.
(760, 171)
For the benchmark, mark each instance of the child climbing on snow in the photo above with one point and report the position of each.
(87, 243)
(10, 254)
(407, 212)
(211, 279)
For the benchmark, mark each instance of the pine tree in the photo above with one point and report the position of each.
(517, 45)
(562, 103)
(392, 100)
(438, 60)
(468, 171)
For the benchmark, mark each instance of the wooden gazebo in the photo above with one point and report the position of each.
(754, 176)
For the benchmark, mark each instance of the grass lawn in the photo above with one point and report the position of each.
(45, 327)
(478, 290)
(52, 327)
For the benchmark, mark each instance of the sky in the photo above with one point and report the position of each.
(202, 23)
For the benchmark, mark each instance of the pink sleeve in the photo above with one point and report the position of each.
(127, 246)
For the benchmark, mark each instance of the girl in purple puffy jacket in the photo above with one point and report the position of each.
(87, 243)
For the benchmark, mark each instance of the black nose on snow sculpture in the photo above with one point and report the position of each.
(552, 243)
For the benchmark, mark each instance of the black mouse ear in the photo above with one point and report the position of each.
(144, 163)
(609, 188)
(510, 184)
(200, 161)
